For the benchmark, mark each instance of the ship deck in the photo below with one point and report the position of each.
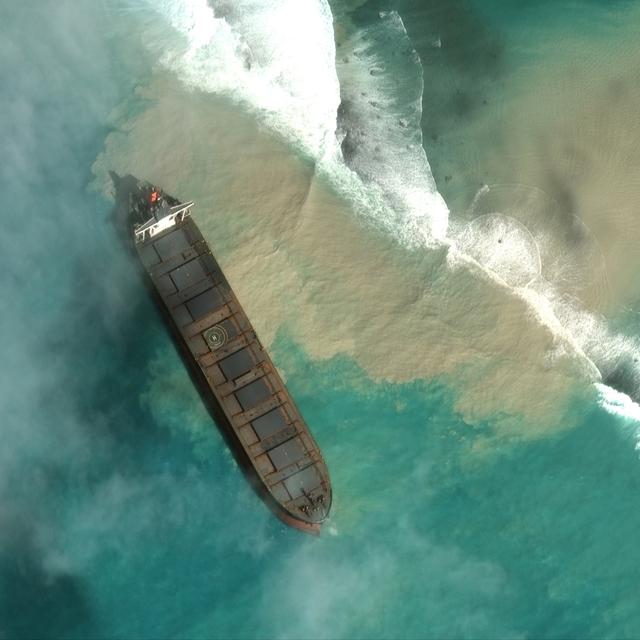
(262, 422)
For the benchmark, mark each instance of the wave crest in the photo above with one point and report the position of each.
(274, 56)
(379, 125)
(278, 59)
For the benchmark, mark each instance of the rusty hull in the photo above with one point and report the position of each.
(234, 374)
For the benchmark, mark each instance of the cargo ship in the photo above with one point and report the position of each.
(236, 378)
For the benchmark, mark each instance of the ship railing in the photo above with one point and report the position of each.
(154, 226)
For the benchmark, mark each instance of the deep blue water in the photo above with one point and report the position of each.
(122, 514)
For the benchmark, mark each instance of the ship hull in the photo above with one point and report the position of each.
(235, 376)
(224, 426)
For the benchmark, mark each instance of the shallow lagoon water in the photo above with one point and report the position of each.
(124, 514)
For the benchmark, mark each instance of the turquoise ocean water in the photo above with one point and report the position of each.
(123, 515)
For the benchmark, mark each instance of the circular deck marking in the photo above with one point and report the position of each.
(216, 337)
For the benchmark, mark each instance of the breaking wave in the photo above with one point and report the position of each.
(523, 238)
(356, 113)
(278, 59)
(618, 403)
(379, 124)
(250, 50)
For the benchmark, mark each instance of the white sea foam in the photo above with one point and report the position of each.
(563, 277)
(619, 404)
(275, 56)
(278, 59)
(503, 245)
(580, 335)
(380, 125)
